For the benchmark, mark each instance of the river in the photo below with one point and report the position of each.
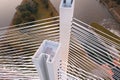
(7, 11)
(87, 11)
(90, 11)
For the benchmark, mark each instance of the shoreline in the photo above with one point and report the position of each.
(114, 9)
(15, 14)
(52, 7)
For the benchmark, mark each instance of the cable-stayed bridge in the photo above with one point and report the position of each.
(72, 50)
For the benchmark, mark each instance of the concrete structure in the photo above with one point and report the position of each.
(46, 60)
(66, 16)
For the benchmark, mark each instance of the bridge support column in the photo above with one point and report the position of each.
(66, 15)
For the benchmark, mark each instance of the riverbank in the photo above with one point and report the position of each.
(30, 10)
(113, 8)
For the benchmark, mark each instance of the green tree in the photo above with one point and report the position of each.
(29, 18)
(17, 19)
(28, 6)
(46, 3)
(25, 13)
(21, 8)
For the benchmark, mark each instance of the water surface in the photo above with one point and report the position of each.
(90, 11)
(7, 10)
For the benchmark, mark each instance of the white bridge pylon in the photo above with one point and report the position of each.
(49, 55)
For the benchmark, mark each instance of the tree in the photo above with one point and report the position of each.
(29, 18)
(17, 20)
(46, 3)
(25, 13)
(21, 8)
(32, 6)
(28, 6)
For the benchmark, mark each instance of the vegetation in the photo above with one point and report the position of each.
(25, 12)
(31, 10)
(101, 28)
